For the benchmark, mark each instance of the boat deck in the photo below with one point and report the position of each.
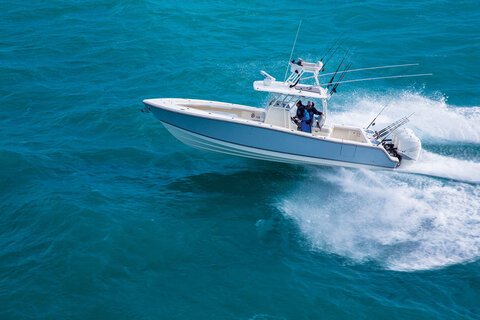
(273, 116)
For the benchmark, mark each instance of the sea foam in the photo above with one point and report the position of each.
(433, 119)
(401, 221)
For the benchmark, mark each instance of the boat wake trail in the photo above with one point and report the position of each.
(403, 222)
(436, 165)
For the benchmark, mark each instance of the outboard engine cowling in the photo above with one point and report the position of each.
(408, 145)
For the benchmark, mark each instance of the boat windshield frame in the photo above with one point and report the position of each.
(289, 102)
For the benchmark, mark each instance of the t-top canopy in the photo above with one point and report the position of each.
(291, 86)
(308, 91)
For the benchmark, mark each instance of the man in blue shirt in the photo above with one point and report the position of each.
(306, 115)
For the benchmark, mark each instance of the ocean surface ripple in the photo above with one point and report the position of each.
(104, 215)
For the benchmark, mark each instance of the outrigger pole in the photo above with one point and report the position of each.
(291, 52)
(388, 77)
(369, 68)
(379, 67)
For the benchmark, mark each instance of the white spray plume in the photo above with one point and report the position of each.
(402, 221)
(433, 119)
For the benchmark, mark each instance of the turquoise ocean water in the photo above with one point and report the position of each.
(104, 215)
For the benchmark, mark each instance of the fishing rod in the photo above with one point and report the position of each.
(336, 71)
(330, 49)
(379, 67)
(336, 45)
(331, 56)
(391, 128)
(334, 89)
(373, 121)
(293, 48)
(389, 77)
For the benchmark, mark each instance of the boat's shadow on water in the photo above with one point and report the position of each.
(258, 179)
(244, 201)
(251, 192)
(333, 213)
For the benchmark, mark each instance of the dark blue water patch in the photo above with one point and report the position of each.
(464, 151)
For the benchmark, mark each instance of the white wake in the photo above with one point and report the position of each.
(433, 119)
(436, 165)
(401, 221)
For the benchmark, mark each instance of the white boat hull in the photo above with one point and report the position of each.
(209, 144)
(255, 139)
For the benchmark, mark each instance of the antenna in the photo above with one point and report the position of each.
(293, 48)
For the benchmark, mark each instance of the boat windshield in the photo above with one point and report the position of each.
(290, 102)
(283, 101)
